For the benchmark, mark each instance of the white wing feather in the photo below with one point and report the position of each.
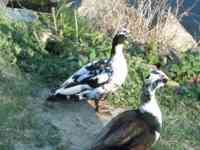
(101, 78)
(82, 72)
(92, 76)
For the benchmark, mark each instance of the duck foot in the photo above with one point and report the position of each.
(101, 107)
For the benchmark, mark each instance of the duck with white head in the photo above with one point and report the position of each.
(136, 129)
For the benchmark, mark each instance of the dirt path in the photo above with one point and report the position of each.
(77, 122)
(62, 126)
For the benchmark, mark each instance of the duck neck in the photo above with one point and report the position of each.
(149, 103)
(147, 94)
(117, 50)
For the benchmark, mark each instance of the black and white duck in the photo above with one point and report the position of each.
(135, 129)
(97, 79)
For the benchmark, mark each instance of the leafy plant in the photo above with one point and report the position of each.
(187, 72)
(187, 68)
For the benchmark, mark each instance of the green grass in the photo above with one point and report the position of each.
(26, 66)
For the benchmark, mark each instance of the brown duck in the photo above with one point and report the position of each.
(135, 129)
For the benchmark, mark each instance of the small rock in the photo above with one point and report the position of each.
(36, 5)
(15, 14)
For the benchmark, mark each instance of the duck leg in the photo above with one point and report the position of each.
(99, 103)
(96, 105)
(102, 106)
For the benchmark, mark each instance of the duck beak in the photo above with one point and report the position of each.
(126, 42)
(171, 83)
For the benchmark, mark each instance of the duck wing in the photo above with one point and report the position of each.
(94, 74)
(124, 132)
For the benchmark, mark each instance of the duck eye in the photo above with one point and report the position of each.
(147, 76)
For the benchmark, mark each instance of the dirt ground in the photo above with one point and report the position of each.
(63, 126)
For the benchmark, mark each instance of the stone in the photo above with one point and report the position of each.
(176, 36)
(16, 14)
(37, 5)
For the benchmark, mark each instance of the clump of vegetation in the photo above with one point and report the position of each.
(145, 19)
(188, 67)
(27, 65)
(186, 71)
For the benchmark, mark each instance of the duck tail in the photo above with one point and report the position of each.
(56, 98)
(62, 98)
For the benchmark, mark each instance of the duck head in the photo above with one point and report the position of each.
(119, 40)
(155, 79)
